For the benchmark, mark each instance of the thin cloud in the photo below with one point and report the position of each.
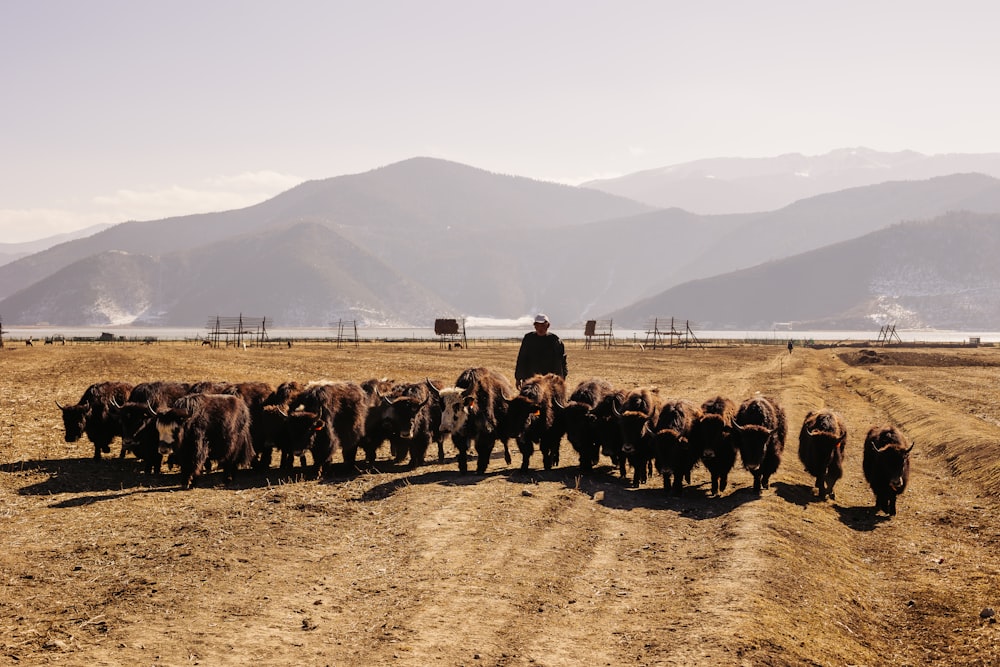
(219, 193)
(21, 225)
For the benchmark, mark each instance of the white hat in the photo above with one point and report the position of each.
(541, 318)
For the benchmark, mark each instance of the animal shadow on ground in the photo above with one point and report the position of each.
(616, 493)
(861, 517)
(798, 494)
(85, 476)
(89, 476)
(694, 503)
(442, 477)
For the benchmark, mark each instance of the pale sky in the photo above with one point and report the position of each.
(115, 110)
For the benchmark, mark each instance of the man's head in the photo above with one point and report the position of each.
(541, 324)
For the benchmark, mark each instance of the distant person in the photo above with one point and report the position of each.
(541, 352)
(790, 345)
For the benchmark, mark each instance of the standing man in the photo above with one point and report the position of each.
(541, 352)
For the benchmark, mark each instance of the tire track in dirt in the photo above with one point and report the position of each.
(478, 576)
(720, 597)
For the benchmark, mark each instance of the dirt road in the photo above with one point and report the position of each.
(102, 566)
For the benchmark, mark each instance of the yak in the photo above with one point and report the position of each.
(712, 434)
(581, 421)
(760, 423)
(675, 452)
(206, 427)
(410, 417)
(886, 465)
(533, 417)
(640, 409)
(137, 420)
(822, 440)
(486, 395)
(608, 432)
(325, 416)
(269, 424)
(94, 415)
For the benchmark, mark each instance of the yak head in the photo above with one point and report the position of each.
(74, 420)
(894, 462)
(300, 430)
(753, 443)
(714, 433)
(454, 413)
(399, 413)
(170, 430)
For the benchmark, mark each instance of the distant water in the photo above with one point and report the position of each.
(499, 333)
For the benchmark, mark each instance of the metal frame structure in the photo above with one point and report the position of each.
(237, 331)
(887, 335)
(344, 328)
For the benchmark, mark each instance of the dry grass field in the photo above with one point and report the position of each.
(100, 565)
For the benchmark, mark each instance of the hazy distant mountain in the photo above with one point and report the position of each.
(837, 216)
(12, 251)
(421, 197)
(738, 185)
(940, 273)
(105, 288)
(302, 275)
(314, 278)
(426, 238)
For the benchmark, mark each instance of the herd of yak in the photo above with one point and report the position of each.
(240, 425)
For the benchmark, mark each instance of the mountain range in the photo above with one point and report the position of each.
(427, 238)
(737, 185)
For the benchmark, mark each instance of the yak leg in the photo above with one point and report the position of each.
(550, 453)
(678, 487)
(484, 450)
(527, 448)
(398, 449)
(418, 451)
(462, 445)
(263, 461)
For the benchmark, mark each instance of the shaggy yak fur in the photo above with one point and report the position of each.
(94, 415)
(137, 420)
(675, 452)
(486, 395)
(822, 441)
(534, 417)
(640, 409)
(714, 437)
(580, 420)
(761, 425)
(206, 427)
(886, 464)
(325, 416)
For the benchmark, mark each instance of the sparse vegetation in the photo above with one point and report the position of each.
(102, 565)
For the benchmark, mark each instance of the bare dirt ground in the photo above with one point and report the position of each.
(100, 565)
